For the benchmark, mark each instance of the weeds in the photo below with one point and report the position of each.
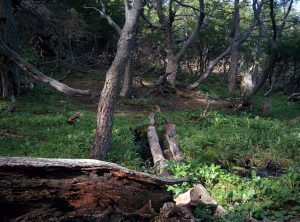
(214, 148)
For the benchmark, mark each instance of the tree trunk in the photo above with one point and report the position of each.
(234, 44)
(249, 79)
(9, 73)
(170, 134)
(174, 58)
(36, 189)
(210, 68)
(266, 71)
(171, 70)
(127, 87)
(111, 87)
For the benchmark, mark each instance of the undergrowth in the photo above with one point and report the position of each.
(218, 149)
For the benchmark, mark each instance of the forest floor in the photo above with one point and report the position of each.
(248, 162)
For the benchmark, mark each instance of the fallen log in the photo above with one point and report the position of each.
(36, 189)
(170, 134)
(38, 75)
(196, 195)
(156, 151)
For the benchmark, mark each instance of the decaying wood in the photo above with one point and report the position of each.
(196, 195)
(170, 134)
(36, 74)
(35, 189)
(156, 151)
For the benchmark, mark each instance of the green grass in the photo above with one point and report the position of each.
(42, 130)
(214, 148)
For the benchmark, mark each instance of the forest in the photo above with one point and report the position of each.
(150, 110)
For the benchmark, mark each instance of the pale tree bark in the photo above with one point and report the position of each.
(166, 25)
(9, 72)
(112, 83)
(234, 44)
(127, 85)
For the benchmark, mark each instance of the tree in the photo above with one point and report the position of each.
(167, 26)
(236, 40)
(126, 90)
(234, 44)
(273, 39)
(9, 73)
(113, 79)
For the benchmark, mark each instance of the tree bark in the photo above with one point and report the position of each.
(273, 40)
(9, 72)
(112, 84)
(197, 195)
(173, 57)
(210, 68)
(127, 85)
(36, 189)
(226, 52)
(234, 51)
(35, 73)
(171, 138)
(155, 148)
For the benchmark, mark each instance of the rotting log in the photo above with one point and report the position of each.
(170, 134)
(36, 189)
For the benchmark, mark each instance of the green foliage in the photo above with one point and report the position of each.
(214, 148)
(39, 129)
(273, 197)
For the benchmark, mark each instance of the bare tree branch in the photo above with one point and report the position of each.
(103, 15)
(35, 73)
(193, 34)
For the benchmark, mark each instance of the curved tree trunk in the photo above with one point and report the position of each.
(210, 68)
(35, 73)
(173, 57)
(112, 83)
(9, 72)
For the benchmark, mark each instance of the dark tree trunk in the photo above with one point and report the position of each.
(234, 44)
(9, 72)
(127, 85)
(35, 189)
(112, 84)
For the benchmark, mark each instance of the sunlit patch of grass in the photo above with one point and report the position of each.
(41, 129)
